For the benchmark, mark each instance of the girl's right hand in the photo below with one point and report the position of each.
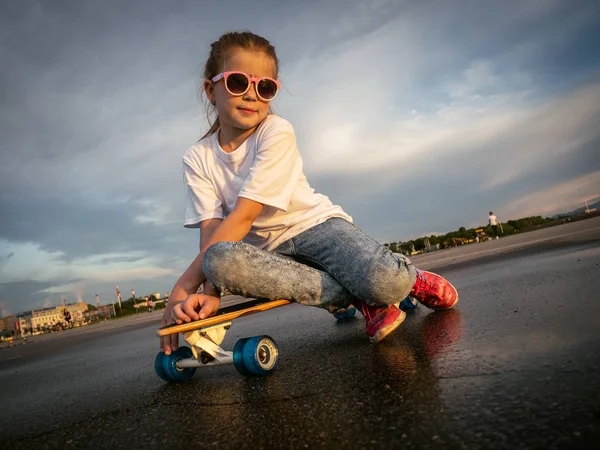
(169, 343)
(195, 307)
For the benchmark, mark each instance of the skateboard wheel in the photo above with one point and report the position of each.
(349, 313)
(408, 303)
(238, 358)
(166, 365)
(257, 355)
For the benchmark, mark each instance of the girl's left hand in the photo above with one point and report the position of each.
(195, 307)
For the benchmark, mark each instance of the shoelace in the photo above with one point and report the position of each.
(424, 284)
(366, 310)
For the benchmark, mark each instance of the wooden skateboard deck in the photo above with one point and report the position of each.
(223, 315)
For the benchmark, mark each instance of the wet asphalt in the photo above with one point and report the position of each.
(515, 365)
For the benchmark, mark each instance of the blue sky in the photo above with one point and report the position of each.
(418, 117)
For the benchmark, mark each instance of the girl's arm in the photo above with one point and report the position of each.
(193, 277)
(234, 228)
(237, 224)
(187, 284)
(207, 228)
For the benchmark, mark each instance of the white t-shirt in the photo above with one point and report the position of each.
(493, 220)
(266, 168)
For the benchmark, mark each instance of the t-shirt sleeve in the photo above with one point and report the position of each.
(201, 201)
(277, 167)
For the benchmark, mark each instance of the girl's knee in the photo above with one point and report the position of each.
(218, 258)
(386, 287)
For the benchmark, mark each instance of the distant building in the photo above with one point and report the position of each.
(40, 319)
(103, 311)
(8, 323)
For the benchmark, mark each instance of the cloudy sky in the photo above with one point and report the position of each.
(418, 117)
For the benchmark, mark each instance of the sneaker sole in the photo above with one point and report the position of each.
(449, 307)
(453, 304)
(382, 333)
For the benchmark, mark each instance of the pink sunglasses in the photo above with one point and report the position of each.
(238, 83)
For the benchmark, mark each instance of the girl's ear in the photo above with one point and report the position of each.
(209, 90)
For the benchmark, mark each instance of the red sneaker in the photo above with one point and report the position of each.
(381, 321)
(434, 291)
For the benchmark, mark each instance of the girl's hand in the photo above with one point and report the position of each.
(195, 307)
(169, 343)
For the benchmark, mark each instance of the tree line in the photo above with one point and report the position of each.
(466, 235)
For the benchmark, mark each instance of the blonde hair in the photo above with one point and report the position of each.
(222, 49)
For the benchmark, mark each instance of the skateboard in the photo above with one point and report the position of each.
(256, 355)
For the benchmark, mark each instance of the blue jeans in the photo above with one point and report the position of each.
(328, 266)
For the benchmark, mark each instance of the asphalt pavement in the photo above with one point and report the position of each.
(515, 365)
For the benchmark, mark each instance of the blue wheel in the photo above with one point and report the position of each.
(166, 365)
(158, 366)
(349, 313)
(257, 355)
(238, 357)
(408, 303)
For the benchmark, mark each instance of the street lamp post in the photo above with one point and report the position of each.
(119, 299)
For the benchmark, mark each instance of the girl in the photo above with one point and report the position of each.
(264, 232)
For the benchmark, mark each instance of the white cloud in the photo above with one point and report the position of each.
(482, 78)
(33, 263)
(5, 309)
(28, 261)
(48, 303)
(546, 132)
(493, 118)
(562, 197)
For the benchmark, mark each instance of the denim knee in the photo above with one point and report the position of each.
(217, 263)
(386, 283)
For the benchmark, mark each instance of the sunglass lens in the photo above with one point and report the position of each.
(237, 83)
(267, 89)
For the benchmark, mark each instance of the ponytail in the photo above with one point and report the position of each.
(213, 128)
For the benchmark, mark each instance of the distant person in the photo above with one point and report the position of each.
(244, 182)
(67, 316)
(493, 220)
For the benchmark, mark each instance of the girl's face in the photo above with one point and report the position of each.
(247, 111)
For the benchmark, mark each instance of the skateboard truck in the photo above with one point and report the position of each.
(205, 346)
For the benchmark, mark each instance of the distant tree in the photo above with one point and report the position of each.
(419, 244)
(514, 224)
(407, 247)
(462, 234)
(508, 228)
